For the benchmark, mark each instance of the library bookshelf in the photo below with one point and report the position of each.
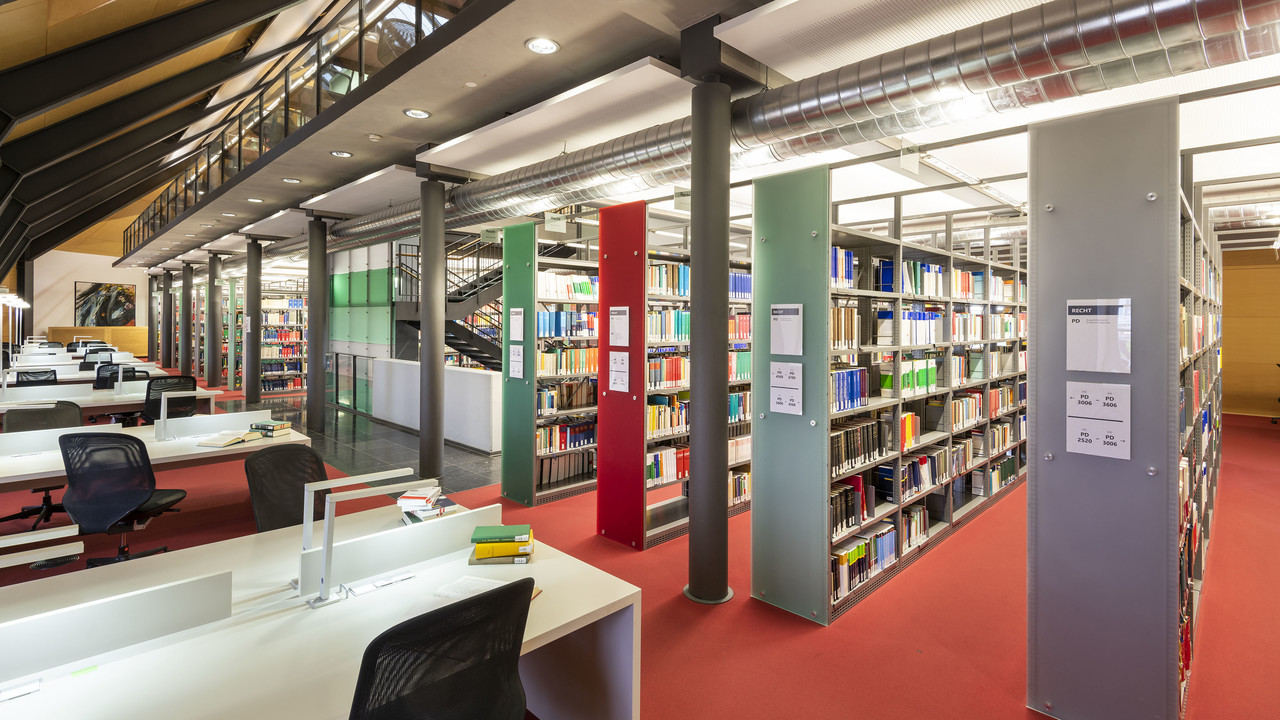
(643, 499)
(549, 372)
(891, 401)
(284, 336)
(1114, 636)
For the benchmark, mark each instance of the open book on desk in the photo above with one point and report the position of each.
(230, 437)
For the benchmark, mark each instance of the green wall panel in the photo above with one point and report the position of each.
(340, 324)
(359, 324)
(380, 281)
(360, 288)
(379, 325)
(789, 550)
(339, 290)
(519, 404)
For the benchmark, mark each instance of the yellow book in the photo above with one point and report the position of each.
(504, 549)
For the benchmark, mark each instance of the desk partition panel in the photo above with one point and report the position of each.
(38, 441)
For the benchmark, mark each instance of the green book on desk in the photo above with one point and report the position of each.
(500, 533)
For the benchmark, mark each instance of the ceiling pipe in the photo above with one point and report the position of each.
(1061, 49)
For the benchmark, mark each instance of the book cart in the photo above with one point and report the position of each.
(548, 372)
(645, 292)
(890, 408)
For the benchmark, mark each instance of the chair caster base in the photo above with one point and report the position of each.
(98, 562)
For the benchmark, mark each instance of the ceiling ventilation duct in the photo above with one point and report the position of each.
(1058, 50)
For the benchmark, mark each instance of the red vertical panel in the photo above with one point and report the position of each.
(620, 499)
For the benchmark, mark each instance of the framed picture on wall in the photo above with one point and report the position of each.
(105, 305)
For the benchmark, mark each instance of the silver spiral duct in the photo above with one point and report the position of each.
(280, 249)
(1241, 217)
(1061, 49)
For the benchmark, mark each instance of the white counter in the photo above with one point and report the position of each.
(472, 401)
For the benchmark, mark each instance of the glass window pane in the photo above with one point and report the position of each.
(339, 58)
(231, 154)
(250, 148)
(389, 35)
(302, 97)
(273, 115)
(215, 163)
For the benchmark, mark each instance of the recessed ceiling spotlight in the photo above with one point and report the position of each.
(191, 234)
(340, 153)
(291, 181)
(469, 84)
(228, 214)
(417, 114)
(205, 225)
(541, 45)
(255, 200)
(164, 248)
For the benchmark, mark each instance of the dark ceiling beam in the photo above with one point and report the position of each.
(99, 193)
(42, 148)
(46, 240)
(74, 196)
(12, 241)
(47, 82)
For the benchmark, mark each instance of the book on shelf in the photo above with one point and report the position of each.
(858, 441)
(666, 465)
(670, 279)
(568, 287)
(739, 486)
(566, 395)
(667, 326)
(227, 438)
(844, 327)
(564, 323)
(739, 285)
(572, 466)
(921, 278)
(564, 436)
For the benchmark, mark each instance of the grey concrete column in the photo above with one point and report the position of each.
(431, 295)
(153, 344)
(27, 289)
(213, 323)
(186, 363)
(317, 319)
(166, 320)
(708, 318)
(253, 323)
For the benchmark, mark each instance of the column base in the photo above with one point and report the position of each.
(703, 601)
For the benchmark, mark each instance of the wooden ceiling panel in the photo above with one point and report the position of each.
(22, 31)
(107, 237)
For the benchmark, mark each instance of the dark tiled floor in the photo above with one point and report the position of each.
(355, 444)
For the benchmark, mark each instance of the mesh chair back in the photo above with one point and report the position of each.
(50, 344)
(107, 374)
(4, 359)
(178, 407)
(86, 365)
(96, 356)
(108, 476)
(96, 342)
(37, 377)
(63, 414)
(276, 475)
(460, 661)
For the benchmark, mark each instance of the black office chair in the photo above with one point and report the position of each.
(276, 476)
(111, 488)
(99, 355)
(86, 365)
(50, 344)
(459, 661)
(108, 372)
(4, 359)
(178, 407)
(28, 378)
(63, 414)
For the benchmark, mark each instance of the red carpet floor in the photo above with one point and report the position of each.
(946, 638)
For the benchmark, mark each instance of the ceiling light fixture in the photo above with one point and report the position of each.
(255, 200)
(340, 153)
(205, 225)
(191, 234)
(291, 181)
(469, 84)
(228, 214)
(541, 45)
(417, 114)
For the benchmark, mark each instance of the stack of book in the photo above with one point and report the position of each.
(423, 504)
(271, 428)
(501, 545)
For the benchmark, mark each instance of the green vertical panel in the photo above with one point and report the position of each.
(340, 290)
(359, 324)
(360, 288)
(380, 286)
(519, 406)
(789, 503)
(379, 325)
(340, 324)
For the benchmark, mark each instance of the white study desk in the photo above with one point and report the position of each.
(91, 402)
(73, 373)
(45, 469)
(275, 657)
(61, 361)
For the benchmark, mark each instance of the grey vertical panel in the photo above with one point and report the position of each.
(153, 347)
(432, 289)
(709, 379)
(186, 363)
(317, 319)
(253, 323)
(213, 323)
(166, 321)
(1102, 533)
